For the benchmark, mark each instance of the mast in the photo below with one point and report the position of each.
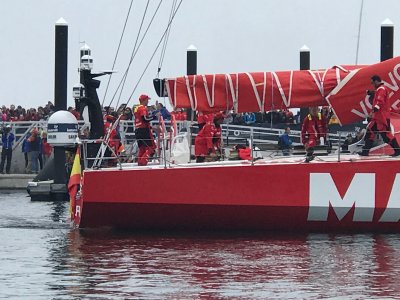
(359, 30)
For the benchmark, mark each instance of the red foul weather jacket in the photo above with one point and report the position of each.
(205, 118)
(114, 140)
(381, 107)
(207, 140)
(313, 129)
(142, 119)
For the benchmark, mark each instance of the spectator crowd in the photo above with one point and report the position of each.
(285, 116)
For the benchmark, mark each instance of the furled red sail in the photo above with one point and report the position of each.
(262, 91)
(342, 87)
(199, 92)
(349, 99)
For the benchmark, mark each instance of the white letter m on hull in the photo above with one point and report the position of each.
(360, 194)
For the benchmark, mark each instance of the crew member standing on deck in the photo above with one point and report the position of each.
(203, 119)
(313, 132)
(114, 138)
(380, 119)
(208, 140)
(143, 132)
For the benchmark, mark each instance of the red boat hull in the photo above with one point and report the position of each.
(321, 196)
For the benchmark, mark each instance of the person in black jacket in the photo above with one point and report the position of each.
(7, 138)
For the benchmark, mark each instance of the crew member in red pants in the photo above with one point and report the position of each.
(380, 118)
(313, 130)
(208, 140)
(143, 132)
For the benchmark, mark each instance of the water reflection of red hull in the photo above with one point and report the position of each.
(352, 195)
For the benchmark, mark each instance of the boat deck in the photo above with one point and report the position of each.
(277, 160)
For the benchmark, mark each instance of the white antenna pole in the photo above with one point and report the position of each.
(359, 30)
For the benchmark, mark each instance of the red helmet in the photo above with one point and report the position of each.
(144, 98)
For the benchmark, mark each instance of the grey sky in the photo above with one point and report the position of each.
(231, 36)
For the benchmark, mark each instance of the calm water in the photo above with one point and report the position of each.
(41, 258)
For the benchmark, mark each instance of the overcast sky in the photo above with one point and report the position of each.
(230, 35)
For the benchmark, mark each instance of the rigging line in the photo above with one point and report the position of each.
(137, 49)
(152, 56)
(164, 48)
(167, 38)
(116, 54)
(134, 48)
(359, 30)
(120, 92)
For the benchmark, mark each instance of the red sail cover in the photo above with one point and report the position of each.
(349, 99)
(199, 92)
(251, 92)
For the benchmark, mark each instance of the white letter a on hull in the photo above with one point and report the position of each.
(392, 211)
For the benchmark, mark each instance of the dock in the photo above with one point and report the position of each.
(15, 181)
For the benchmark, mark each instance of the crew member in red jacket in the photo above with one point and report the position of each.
(380, 119)
(114, 137)
(208, 140)
(313, 131)
(143, 132)
(204, 118)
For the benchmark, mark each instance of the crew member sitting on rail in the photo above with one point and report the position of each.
(143, 133)
(380, 118)
(285, 142)
(244, 152)
(313, 132)
(208, 140)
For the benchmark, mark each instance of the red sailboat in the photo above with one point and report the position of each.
(352, 194)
